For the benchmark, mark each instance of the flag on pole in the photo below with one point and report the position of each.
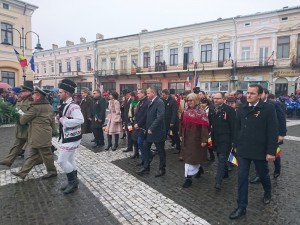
(193, 61)
(233, 159)
(271, 56)
(22, 60)
(32, 63)
(229, 58)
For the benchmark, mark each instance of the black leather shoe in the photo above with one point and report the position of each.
(267, 199)
(128, 150)
(256, 180)
(200, 171)
(276, 174)
(140, 164)
(225, 176)
(143, 171)
(188, 182)
(17, 174)
(237, 213)
(94, 140)
(115, 148)
(134, 156)
(96, 146)
(218, 187)
(160, 173)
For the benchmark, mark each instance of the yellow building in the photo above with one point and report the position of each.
(15, 21)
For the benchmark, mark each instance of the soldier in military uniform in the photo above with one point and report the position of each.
(40, 117)
(21, 131)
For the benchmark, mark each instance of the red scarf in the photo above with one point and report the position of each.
(196, 115)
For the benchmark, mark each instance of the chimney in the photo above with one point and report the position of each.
(69, 43)
(82, 40)
(99, 36)
(54, 46)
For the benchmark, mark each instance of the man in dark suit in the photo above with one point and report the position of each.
(281, 129)
(126, 120)
(140, 122)
(222, 120)
(171, 117)
(256, 135)
(155, 132)
(98, 117)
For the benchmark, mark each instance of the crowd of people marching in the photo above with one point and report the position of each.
(247, 128)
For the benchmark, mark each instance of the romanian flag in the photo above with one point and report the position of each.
(229, 58)
(209, 142)
(278, 151)
(129, 127)
(22, 60)
(271, 56)
(232, 159)
(104, 127)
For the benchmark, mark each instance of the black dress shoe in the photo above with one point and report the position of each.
(200, 171)
(94, 140)
(188, 182)
(276, 174)
(218, 187)
(140, 164)
(237, 213)
(143, 171)
(96, 146)
(267, 199)
(134, 156)
(160, 173)
(128, 150)
(256, 180)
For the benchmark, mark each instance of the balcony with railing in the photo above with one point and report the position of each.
(255, 62)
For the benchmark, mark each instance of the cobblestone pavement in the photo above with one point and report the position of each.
(111, 193)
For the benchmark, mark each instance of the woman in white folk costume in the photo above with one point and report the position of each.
(70, 119)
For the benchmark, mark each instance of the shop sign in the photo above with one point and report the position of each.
(253, 78)
(287, 73)
(151, 81)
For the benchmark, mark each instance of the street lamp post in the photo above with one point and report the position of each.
(23, 43)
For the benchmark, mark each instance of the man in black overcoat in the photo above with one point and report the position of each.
(256, 136)
(126, 120)
(98, 117)
(222, 120)
(171, 117)
(155, 132)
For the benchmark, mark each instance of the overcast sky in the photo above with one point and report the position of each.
(59, 20)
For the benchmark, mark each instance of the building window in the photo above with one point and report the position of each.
(179, 87)
(130, 87)
(283, 47)
(109, 86)
(113, 63)
(224, 52)
(60, 67)
(206, 53)
(89, 65)
(52, 68)
(78, 66)
(8, 77)
(45, 69)
(187, 55)
(37, 69)
(173, 56)
(103, 64)
(158, 56)
(123, 60)
(83, 85)
(245, 53)
(6, 33)
(156, 85)
(68, 66)
(146, 59)
(263, 56)
(134, 61)
(5, 6)
(213, 87)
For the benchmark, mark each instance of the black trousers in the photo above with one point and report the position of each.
(129, 140)
(262, 169)
(98, 134)
(175, 136)
(160, 147)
